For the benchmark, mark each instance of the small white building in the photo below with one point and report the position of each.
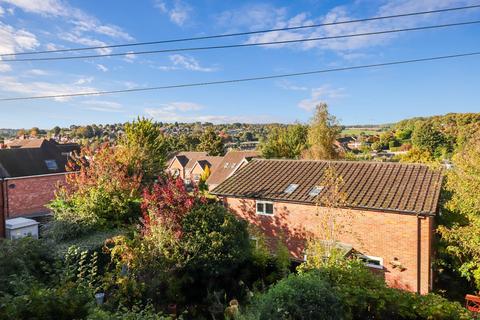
(18, 228)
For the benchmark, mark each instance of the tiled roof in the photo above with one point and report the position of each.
(188, 159)
(21, 162)
(409, 188)
(25, 143)
(229, 164)
(211, 162)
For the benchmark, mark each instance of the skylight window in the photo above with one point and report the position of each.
(51, 164)
(291, 187)
(225, 165)
(315, 191)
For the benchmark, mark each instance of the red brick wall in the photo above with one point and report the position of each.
(386, 235)
(30, 195)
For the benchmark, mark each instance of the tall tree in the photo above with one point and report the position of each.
(285, 142)
(461, 229)
(323, 131)
(211, 143)
(426, 137)
(146, 137)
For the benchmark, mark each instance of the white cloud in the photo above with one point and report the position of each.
(52, 46)
(2, 11)
(287, 85)
(82, 21)
(188, 63)
(130, 57)
(75, 38)
(253, 17)
(101, 67)
(36, 72)
(321, 94)
(36, 88)
(178, 11)
(84, 80)
(161, 115)
(14, 40)
(4, 67)
(103, 106)
(267, 16)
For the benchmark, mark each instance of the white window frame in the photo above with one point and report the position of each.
(264, 202)
(364, 256)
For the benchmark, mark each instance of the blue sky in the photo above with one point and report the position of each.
(356, 97)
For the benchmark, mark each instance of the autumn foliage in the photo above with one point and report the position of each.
(167, 203)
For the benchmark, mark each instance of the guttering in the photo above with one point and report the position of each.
(409, 212)
(2, 209)
(40, 175)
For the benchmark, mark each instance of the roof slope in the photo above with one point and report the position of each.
(409, 188)
(21, 162)
(189, 158)
(228, 165)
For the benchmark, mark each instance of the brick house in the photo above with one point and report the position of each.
(231, 162)
(388, 216)
(191, 165)
(29, 176)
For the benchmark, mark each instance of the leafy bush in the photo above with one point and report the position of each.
(214, 239)
(103, 194)
(23, 263)
(64, 302)
(355, 291)
(305, 296)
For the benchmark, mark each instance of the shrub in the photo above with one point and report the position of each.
(214, 239)
(104, 193)
(23, 263)
(65, 302)
(305, 296)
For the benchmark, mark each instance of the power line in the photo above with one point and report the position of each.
(244, 33)
(285, 75)
(243, 45)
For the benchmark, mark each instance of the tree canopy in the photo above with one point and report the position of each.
(322, 134)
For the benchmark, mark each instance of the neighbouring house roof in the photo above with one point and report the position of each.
(25, 143)
(408, 188)
(49, 158)
(230, 163)
(188, 159)
(211, 162)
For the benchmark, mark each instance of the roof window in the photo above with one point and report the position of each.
(291, 187)
(315, 191)
(51, 165)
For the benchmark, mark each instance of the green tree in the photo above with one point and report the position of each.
(461, 229)
(56, 130)
(150, 145)
(211, 143)
(285, 142)
(34, 132)
(323, 132)
(427, 138)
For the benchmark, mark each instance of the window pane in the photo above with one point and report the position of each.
(269, 208)
(260, 207)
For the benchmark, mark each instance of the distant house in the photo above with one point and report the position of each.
(29, 174)
(389, 211)
(190, 165)
(231, 162)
